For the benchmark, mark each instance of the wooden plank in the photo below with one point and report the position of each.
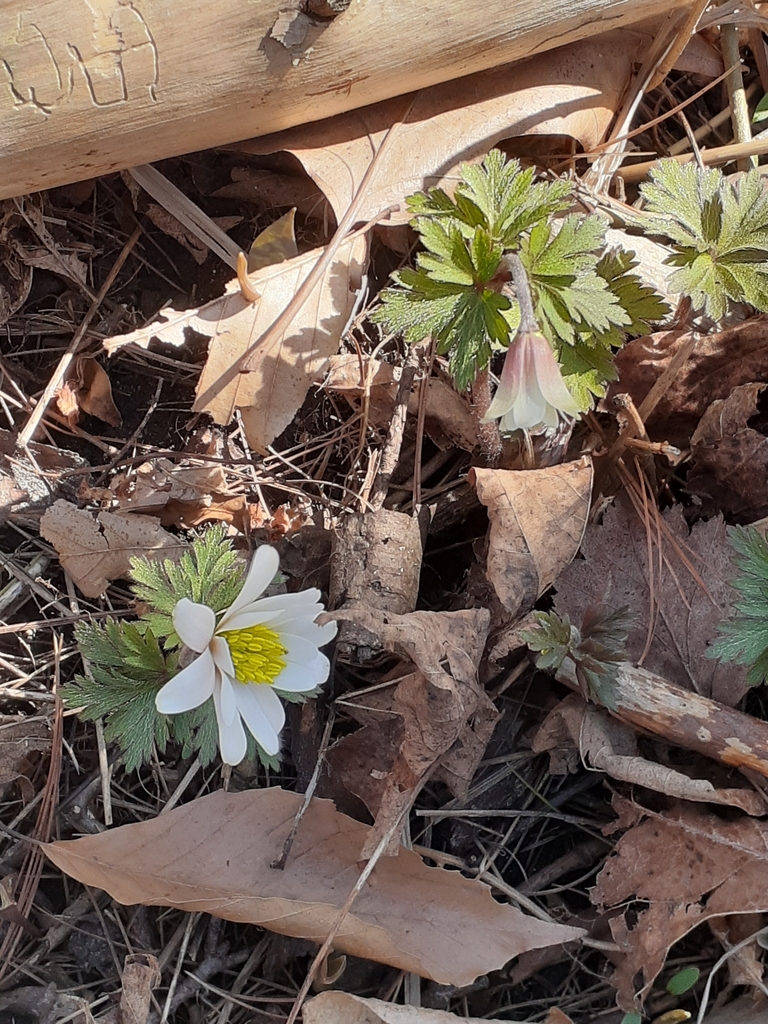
(93, 86)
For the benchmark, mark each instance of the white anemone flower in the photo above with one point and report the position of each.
(531, 391)
(259, 644)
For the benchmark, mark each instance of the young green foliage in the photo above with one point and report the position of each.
(718, 227)
(128, 662)
(584, 305)
(596, 649)
(744, 637)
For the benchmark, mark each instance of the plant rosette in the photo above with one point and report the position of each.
(259, 644)
(208, 663)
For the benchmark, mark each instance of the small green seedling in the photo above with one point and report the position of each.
(683, 981)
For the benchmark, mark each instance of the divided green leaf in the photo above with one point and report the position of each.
(744, 637)
(719, 230)
(582, 300)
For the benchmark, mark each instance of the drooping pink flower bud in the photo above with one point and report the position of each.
(531, 389)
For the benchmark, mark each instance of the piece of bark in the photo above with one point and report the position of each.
(648, 702)
(93, 86)
(376, 563)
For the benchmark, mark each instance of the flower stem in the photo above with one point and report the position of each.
(528, 322)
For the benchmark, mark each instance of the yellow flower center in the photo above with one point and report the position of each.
(257, 654)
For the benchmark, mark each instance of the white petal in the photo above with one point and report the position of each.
(278, 602)
(300, 651)
(227, 702)
(303, 678)
(274, 610)
(263, 713)
(309, 630)
(189, 688)
(550, 379)
(264, 566)
(246, 619)
(222, 656)
(232, 739)
(529, 408)
(194, 623)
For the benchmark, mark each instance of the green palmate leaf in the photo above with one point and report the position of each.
(744, 637)
(209, 573)
(568, 292)
(448, 296)
(454, 293)
(551, 638)
(587, 365)
(719, 229)
(596, 649)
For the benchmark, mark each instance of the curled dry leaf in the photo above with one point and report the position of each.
(575, 732)
(574, 91)
(97, 549)
(214, 854)
(185, 494)
(712, 867)
(718, 364)
(730, 459)
(345, 1008)
(538, 518)
(437, 715)
(269, 396)
(690, 583)
(87, 387)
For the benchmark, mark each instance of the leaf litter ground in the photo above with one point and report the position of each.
(467, 733)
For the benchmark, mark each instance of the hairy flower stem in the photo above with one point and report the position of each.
(528, 322)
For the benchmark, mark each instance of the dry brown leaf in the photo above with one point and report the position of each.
(23, 488)
(97, 549)
(614, 572)
(719, 363)
(574, 91)
(269, 396)
(598, 739)
(49, 256)
(21, 736)
(538, 518)
(730, 459)
(345, 1008)
(213, 856)
(172, 227)
(711, 867)
(269, 189)
(435, 716)
(87, 387)
(151, 485)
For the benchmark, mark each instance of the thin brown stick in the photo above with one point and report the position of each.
(357, 888)
(280, 862)
(58, 375)
(391, 452)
